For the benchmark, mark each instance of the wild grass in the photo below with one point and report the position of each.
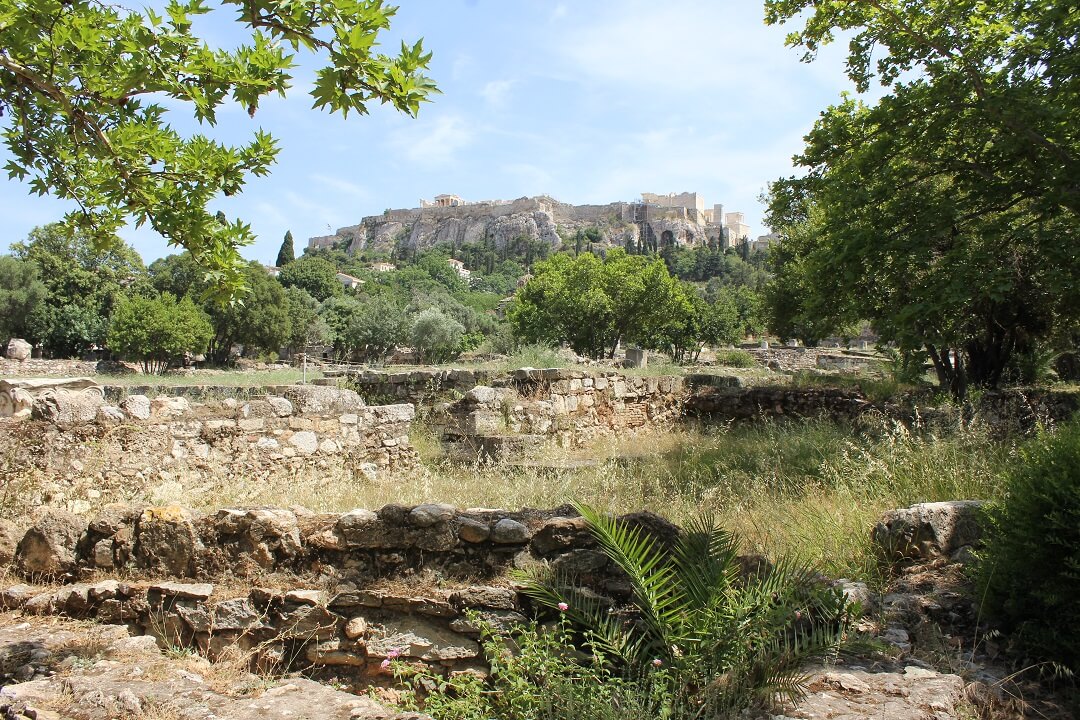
(810, 489)
(231, 378)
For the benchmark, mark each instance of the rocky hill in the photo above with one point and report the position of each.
(501, 223)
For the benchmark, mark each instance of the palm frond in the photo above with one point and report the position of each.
(657, 594)
(705, 560)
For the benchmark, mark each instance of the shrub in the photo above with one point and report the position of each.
(1029, 574)
(545, 679)
(158, 330)
(728, 638)
(436, 337)
(735, 358)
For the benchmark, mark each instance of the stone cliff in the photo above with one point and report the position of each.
(499, 224)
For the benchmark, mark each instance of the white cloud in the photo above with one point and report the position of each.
(343, 187)
(496, 92)
(433, 141)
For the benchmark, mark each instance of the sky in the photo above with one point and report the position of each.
(590, 102)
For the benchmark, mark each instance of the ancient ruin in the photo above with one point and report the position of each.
(657, 221)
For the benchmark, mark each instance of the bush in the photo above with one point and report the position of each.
(735, 358)
(727, 638)
(544, 680)
(158, 330)
(1029, 574)
(436, 337)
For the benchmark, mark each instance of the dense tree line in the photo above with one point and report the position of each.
(65, 296)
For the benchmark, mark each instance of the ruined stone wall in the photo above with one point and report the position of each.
(1002, 412)
(339, 610)
(171, 438)
(38, 367)
(420, 387)
(568, 406)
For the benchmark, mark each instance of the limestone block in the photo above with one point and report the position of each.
(281, 406)
(48, 547)
(18, 349)
(167, 407)
(928, 530)
(166, 540)
(560, 533)
(237, 614)
(189, 591)
(418, 638)
(321, 399)
(481, 395)
(402, 413)
(310, 622)
(68, 406)
(109, 415)
(481, 596)
(305, 442)
(335, 652)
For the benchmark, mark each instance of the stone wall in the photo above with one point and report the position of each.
(341, 607)
(1003, 412)
(168, 438)
(421, 387)
(39, 367)
(568, 406)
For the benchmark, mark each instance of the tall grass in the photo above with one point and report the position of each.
(810, 489)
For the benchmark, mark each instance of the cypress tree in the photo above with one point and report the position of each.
(286, 254)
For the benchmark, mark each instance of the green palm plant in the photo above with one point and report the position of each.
(725, 638)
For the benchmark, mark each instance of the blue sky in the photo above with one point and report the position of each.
(589, 101)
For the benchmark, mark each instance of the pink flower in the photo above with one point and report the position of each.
(393, 654)
(385, 663)
(798, 615)
(563, 607)
(657, 662)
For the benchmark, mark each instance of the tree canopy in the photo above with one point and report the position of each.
(594, 304)
(83, 92)
(21, 294)
(158, 330)
(946, 212)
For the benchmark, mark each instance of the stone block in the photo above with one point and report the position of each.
(928, 530)
(48, 548)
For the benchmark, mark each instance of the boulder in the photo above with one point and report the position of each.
(508, 531)
(166, 540)
(561, 533)
(48, 548)
(68, 406)
(928, 530)
(18, 349)
(136, 406)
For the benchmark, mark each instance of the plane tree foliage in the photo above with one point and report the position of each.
(593, 304)
(945, 212)
(87, 88)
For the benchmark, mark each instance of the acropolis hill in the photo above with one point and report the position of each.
(654, 222)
